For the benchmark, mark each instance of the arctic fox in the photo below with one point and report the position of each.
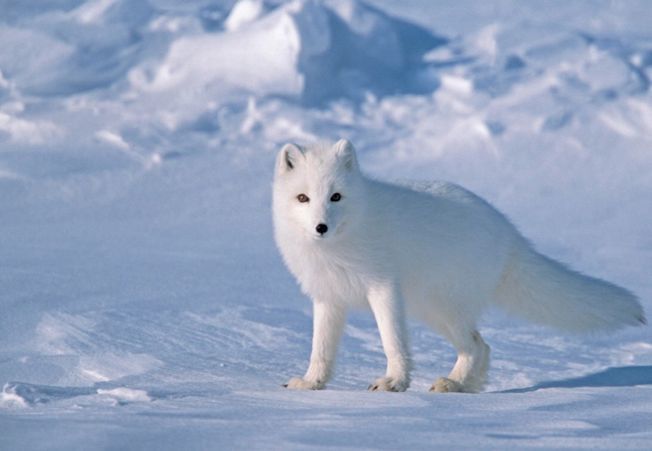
(438, 253)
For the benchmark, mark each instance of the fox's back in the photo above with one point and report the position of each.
(436, 212)
(440, 238)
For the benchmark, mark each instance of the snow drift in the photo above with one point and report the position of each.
(305, 50)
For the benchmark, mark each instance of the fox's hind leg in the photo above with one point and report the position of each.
(470, 371)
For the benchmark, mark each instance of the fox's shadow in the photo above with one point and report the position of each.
(624, 376)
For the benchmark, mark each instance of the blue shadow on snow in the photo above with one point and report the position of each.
(624, 376)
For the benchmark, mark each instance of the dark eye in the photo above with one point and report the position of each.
(303, 198)
(336, 197)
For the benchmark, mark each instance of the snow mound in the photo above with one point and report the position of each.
(76, 49)
(304, 50)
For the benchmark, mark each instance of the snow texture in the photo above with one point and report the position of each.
(144, 303)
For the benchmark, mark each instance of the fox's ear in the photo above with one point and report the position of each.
(346, 154)
(288, 158)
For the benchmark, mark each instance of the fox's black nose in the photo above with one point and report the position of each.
(322, 228)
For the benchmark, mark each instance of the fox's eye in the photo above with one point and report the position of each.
(303, 198)
(336, 197)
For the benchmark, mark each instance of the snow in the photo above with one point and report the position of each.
(243, 13)
(144, 303)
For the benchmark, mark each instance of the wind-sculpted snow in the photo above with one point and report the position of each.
(144, 305)
(303, 50)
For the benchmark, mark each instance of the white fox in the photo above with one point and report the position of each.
(438, 253)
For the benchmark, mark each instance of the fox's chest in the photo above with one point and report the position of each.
(331, 277)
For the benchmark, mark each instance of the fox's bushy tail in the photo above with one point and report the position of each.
(545, 291)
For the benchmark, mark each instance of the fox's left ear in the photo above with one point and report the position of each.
(346, 154)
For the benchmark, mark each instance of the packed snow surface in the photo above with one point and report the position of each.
(144, 305)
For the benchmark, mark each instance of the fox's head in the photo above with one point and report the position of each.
(317, 190)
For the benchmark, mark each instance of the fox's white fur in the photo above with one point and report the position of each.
(435, 252)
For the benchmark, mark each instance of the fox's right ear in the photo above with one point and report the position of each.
(346, 153)
(288, 158)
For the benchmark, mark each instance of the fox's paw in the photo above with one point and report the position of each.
(446, 385)
(298, 383)
(389, 384)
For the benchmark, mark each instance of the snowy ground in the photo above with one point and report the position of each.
(144, 303)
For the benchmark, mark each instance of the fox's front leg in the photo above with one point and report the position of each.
(328, 323)
(388, 309)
